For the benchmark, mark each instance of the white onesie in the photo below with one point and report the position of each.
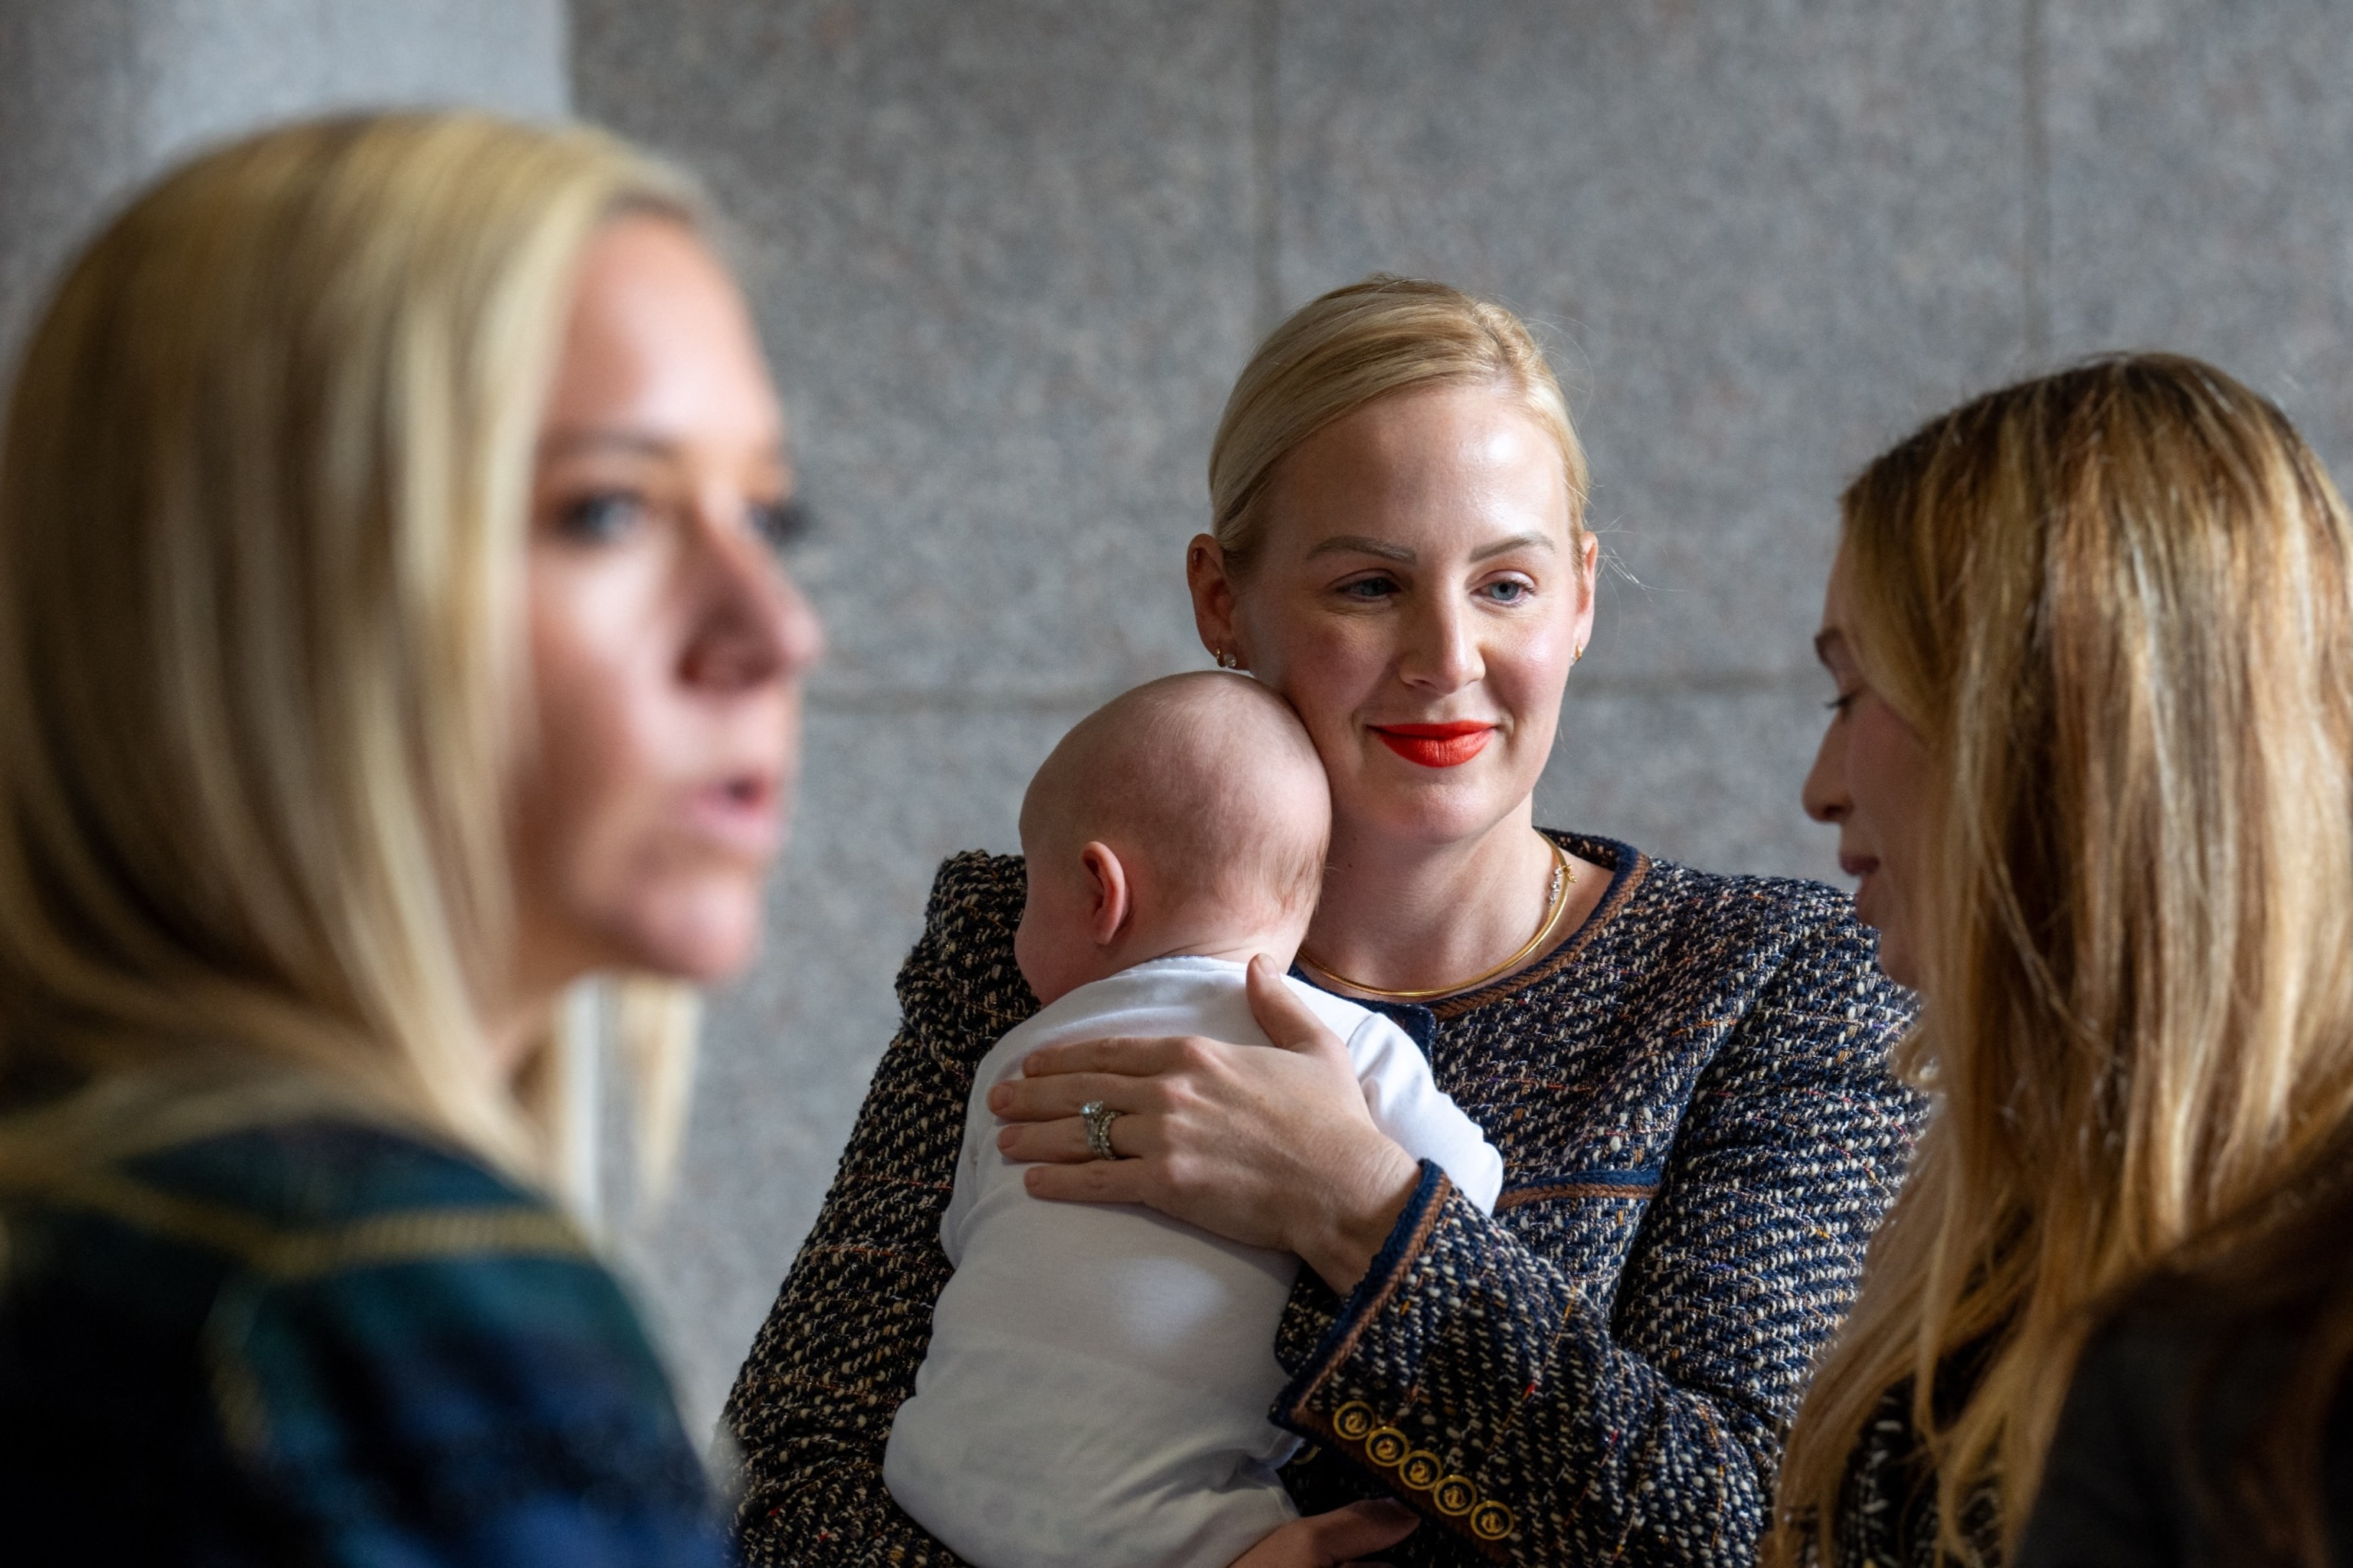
(1099, 1378)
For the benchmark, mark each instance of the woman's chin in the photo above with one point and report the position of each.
(706, 938)
(1431, 811)
(1896, 960)
(1895, 953)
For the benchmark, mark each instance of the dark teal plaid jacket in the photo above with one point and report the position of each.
(325, 1343)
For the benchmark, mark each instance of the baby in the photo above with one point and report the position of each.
(1099, 1379)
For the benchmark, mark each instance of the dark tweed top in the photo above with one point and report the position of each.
(320, 1342)
(1699, 1134)
(1887, 1513)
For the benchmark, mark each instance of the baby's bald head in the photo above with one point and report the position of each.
(1206, 784)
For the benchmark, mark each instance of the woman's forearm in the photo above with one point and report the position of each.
(1635, 1415)
(1485, 1388)
(1353, 1216)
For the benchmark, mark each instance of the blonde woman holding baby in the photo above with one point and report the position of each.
(1686, 1075)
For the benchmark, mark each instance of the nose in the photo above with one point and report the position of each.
(1442, 652)
(1824, 793)
(753, 626)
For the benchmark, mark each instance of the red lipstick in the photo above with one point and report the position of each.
(1447, 745)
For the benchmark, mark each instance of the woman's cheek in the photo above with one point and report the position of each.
(1544, 652)
(595, 806)
(1528, 678)
(1348, 665)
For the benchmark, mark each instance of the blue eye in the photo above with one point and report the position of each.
(1508, 591)
(1369, 589)
(602, 518)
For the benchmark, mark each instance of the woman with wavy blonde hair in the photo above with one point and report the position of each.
(390, 639)
(2093, 758)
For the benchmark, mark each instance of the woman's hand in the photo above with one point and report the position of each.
(1268, 1147)
(1332, 1540)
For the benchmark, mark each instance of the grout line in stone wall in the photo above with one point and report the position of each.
(2034, 264)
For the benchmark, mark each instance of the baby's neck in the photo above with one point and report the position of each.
(1280, 946)
(1197, 941)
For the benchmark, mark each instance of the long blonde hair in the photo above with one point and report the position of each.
(1343, 350)
(263, 494)
(2116, 604)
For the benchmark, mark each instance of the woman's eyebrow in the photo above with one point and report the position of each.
(562, 443)
(1516, 542)
(1362, 545)
(636, 443)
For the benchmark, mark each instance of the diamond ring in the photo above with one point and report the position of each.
(1099, 1117)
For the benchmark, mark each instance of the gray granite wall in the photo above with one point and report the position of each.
(97, 95)
(1008, 256)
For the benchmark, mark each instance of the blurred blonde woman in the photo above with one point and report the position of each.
(390, 638)
(2092, 638)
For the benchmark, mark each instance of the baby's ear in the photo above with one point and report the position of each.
(1109, 892)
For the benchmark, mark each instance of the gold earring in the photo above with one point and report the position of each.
(1229, 659)
(1577, 653)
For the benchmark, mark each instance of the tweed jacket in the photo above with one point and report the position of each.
(1699, 1132)
(322, 1342)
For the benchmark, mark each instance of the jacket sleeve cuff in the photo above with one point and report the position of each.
(1385, 1390)
(1389, 1266)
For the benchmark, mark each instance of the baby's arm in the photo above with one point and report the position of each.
(1409, 1106)
(977, 1161)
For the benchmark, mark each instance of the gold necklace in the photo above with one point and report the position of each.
(1556, 901)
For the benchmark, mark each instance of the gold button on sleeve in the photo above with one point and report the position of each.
(1353, 1419)
(1454, 1496)
(1421, 1470)
(1386, 1447)
(1490, 1520)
